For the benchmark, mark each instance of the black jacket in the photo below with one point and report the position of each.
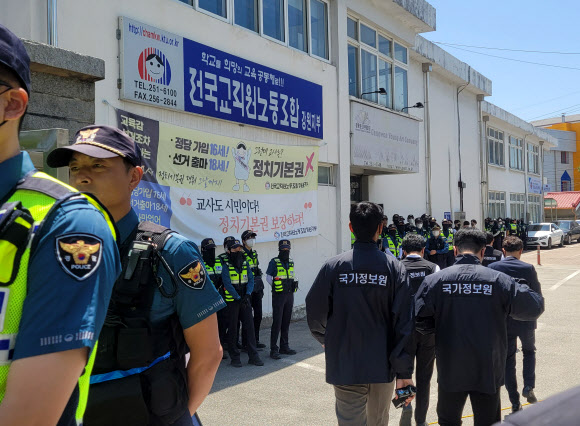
(524, 273)
(491, 255)
(360, 307)
(469, 304)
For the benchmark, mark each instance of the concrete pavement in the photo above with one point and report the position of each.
(293, 391)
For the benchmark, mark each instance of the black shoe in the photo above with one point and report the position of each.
(275, 355)
(516, 408)
(236, 363)
(244, 349)
(528, 393)
(239, 345)
(260, 345)
(256, 361)
(422, 424)
(288, 351)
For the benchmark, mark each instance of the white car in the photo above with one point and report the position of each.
(545, 235)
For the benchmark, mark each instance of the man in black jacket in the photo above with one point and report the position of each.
(421, 344)
(490, 255)
(360, 309)
(468, 305)
(526, 330)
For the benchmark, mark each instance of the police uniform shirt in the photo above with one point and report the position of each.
(62, 311)
(360, 307)
(227, 281)
(469, 304)
(195, 299)
(272, 270)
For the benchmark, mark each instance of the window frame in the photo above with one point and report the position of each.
(229, 11)
(328, 41)
(519, 149)
(285, 31)
(566, 156)
(535, 154)
(360, 46)
(307, 40)
(331, 175)
(497, 199)
(496, 141)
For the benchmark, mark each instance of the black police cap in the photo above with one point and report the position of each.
(99, 142)
(207, 243)
(228, 239)
(13, 55)
(247, 234)
(282, 244)
(233, 244)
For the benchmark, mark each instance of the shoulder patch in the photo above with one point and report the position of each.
(193, 275)
(79, 254)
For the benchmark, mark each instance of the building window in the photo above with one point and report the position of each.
(319, 28)
(217, 7)
(372, 66)
(297, 24)
(325, 175)
(273, 19)
(495, 147)
(496, 204)
(566, 185)
(516, 153)
(565, 157)
(246, 14)
(533, 158)
(535, 208)
(517, 205)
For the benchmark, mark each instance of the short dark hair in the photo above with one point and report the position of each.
(413, 243)
(489, 237)
(365, 218)
(512, 243)
(469, 239)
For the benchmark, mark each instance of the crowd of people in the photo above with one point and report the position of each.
(465, 306)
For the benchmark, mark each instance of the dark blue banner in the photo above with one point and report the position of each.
(221, 85)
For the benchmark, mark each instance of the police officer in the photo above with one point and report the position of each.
(161, 304)
(363, 290)
(487, 224)
(447, 235)
(238, 286)
(524, 330)
(410, 225)
(249, 240)
(214, 267)
(420, 230)
(392, 241)
(437, 248)
(523, 232)
(457, 225)
(499, 234)
(422, 344)
(490, 255)
(55, 286)
(281, 276)
(401, 227)
(513, 227)
(480, 299)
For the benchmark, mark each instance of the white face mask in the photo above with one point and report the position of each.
(419, 225)
(435, 234)
(251, 242)
(410, 221)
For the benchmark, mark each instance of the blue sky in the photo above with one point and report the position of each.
(526, 90)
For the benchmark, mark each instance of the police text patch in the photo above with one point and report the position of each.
(79, 254)
(193, 275)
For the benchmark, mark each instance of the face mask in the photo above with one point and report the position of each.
(436, 234)
(251, 242)
(410, 221)
(208, 255)
(237, 259)
(419, 225)
(446, 227)
(392, 232)
(284, 255)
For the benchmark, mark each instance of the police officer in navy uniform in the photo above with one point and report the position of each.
(55, 288)
(214, 267)
(422, 343)
(249, 240)
(471, 357)
(490, 255)
(524, 330)
(437, 248)
(392, 241)
(238, 283)
(162, 304)
(360, 309)
(448, 234)
(281, 276)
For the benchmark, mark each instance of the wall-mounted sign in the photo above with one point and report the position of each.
(383, 141)
(534, 185)
(163, 69)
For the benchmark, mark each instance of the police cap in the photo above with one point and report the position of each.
(207, 243)
(282, 244)
(247, 234)
(13, 55)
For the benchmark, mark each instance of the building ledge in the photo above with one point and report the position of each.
(424, 12)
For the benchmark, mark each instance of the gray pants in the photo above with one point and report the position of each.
(362, 405)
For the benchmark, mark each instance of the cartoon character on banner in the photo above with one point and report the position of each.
(242, 170)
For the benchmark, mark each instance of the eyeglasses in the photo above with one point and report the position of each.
(3, 83)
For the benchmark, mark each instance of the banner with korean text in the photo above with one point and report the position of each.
(204, 185)
(169, 71)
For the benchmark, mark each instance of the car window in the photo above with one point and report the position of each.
(538, 227)
(555, 228)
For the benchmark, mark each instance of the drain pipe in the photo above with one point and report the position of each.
(482, 156)
(427, 68)
(51, 11)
